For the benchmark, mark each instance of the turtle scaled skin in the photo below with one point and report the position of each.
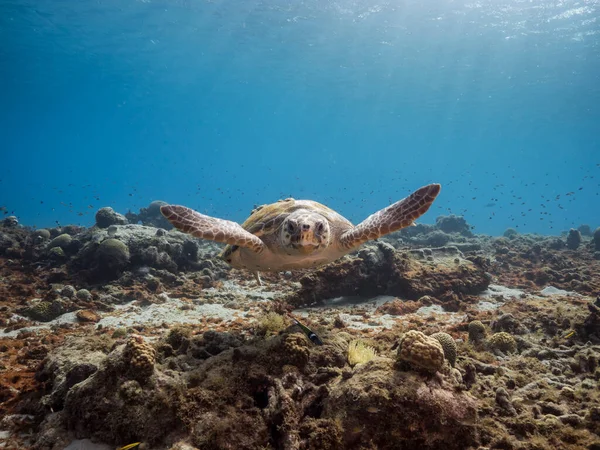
(297, 234)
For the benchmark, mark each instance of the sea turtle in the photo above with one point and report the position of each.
(297, 234)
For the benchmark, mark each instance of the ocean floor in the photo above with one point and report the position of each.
(432, 338)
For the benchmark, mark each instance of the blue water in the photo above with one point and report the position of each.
(221, 105)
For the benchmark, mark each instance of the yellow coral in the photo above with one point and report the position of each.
(140, 356)
(360, 353)
(270, 324)
(421, 351)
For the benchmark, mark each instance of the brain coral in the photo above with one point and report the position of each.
(502, 341)
(476, 331)
(421, 351)
(448, 345)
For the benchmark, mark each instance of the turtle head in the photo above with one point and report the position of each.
(305, 232)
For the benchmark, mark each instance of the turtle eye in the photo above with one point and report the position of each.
(290, 227)
(320, 227)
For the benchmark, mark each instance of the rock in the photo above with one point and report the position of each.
(552, 408)
(506, 322)
(454, 224)
(379, 269)
(6, 243)
(84, 294)
(151, 216)
(596, 239)
(369, 401)
(503, 401)
(86, 315)
(106, 217)
(585, 230)
(573, 239)
(72, 363)
(10, 222)
(113, 256)
(437, 239)
(123, 401)
(510, 233)
(571, 419)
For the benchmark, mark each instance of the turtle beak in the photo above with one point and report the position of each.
(306, 242)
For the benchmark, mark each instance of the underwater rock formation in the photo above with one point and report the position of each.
(150, 216)
(379, 269)
(596, 239)
(453, 224)
(106, 253)
(573, 239)
(417, 412)
(123, 400)
(107, 216)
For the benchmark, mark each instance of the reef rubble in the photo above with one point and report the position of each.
(432, 337)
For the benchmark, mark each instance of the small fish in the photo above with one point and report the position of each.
(308, 332)
(569, 334)
(127, 447)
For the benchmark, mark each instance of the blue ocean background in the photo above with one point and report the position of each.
(221, 105)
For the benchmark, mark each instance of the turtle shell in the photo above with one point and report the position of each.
(265, 220)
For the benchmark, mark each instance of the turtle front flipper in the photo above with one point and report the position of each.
(395, 217)
(211, 228)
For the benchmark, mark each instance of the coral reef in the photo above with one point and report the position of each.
(130, 333)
